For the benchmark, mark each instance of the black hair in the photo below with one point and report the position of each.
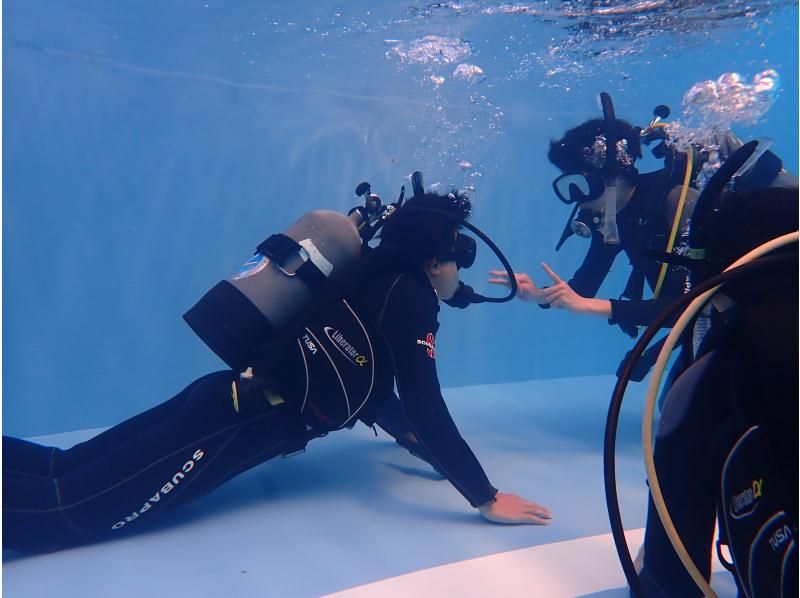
(416, 234)
(567, 153)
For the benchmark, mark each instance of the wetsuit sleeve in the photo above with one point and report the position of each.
(408, 324)
(388, 414)
(630, 313)
(593, 271)
(595, 267)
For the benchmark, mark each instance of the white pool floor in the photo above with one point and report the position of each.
(358, 517)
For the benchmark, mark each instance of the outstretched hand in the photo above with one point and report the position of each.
(526, 288)
(510, 508)
(560, 294)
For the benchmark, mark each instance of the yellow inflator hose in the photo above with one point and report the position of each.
(676, 222)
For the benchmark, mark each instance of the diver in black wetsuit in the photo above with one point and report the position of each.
(225, 423)
(727, 440)
(621, 210)
(646, 216)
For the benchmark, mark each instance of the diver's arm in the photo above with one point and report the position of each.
(586, 281)
(595, 267)
(408, 324)
(595, 307)
(630, 313)
(526, 288)
(510, 508)
(626, 313)
(577, 295)
(563, 296)
(387, 413)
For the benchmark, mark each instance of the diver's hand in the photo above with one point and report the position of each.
(562, 296)
(526, 288)
(510, 508)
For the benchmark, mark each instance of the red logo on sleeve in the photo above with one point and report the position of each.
(430, 344)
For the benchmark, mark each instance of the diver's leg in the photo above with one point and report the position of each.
(31, 500)
(27, 458)
(29, 487)
(687, 465)
(83, 453)
(31, 515)
(682, 361)
(200, 446)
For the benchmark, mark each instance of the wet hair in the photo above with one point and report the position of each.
(567, 153)
(414, 236)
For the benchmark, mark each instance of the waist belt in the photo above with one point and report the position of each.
(250, 392)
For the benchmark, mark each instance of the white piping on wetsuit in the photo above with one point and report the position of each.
(371, 363)
(335, 369)
(308, 379)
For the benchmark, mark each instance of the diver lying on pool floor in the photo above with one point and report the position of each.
(345, 359)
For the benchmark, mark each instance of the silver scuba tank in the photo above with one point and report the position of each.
(244, 318)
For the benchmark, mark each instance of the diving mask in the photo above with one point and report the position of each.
(600, 216)
(462, 253)
(607, 159)
(579, 187)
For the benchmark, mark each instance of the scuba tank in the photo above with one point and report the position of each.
(248, 319)
(246, 316)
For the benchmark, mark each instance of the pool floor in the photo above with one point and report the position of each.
(357, 516)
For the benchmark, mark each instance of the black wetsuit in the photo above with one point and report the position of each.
(742, 383)
(746, 377)
(643, 224)
(221, 425)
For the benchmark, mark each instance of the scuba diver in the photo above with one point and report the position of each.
(619, 209)
(317, 328)
(726, 446)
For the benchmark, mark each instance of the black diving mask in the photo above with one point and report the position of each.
(600, 217)
(608, 159)
(573, 188)
(463, 252)
(589, 185)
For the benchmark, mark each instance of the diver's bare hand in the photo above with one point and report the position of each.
(526, 288)
(562, 296)
(510, 508)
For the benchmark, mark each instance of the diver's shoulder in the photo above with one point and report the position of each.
(408, 290)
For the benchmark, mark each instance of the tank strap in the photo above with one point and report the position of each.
(280, 248)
